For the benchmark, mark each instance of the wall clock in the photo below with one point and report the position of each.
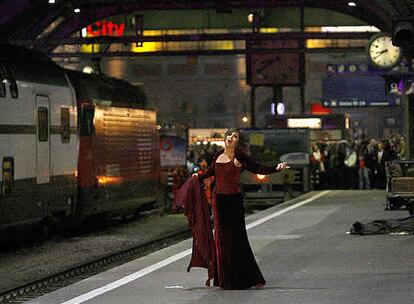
(273, 69)
(381, 52)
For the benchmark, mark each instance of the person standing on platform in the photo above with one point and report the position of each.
(384, 155)
(236, 267)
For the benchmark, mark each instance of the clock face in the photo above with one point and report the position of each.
(273, 69)
(382, 53)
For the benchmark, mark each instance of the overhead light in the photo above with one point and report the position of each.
(351, 4)
(77, 10)
(250, 17)
(52, 1)
(87, 69)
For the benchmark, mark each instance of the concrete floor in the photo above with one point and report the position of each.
(304, 252)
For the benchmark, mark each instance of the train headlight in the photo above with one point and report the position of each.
(102, 180)
(109, 180)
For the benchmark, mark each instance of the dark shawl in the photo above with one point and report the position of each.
(192, 199)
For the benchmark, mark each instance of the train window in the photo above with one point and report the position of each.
(3, 80)
(7, 175)
(65, 125)
(43, 123)
(12, 81)
(86, 127)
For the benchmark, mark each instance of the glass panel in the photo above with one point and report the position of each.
(12, 81)
(86, 122)
(65, 125)
(3, 82)
(8, 175)
(43, 123)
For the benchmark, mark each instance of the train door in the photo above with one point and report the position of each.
(43, 140)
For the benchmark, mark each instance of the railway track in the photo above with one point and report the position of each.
(48, 284)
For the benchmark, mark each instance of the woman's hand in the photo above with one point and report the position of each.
(194, 174)
(281, 166)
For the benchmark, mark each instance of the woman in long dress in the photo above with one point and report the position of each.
(236, 267)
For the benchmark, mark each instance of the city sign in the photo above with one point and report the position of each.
(105, 28)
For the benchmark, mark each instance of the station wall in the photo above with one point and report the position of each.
(211, 91)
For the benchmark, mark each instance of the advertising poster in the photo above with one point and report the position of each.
(172, 151)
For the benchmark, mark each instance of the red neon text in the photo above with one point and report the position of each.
(103, 28)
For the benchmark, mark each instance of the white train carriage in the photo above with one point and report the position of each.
(38, 140)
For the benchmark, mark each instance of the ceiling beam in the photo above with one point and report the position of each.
(199, 52)
(50, 43)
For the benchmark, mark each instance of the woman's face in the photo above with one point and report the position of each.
(231, 140)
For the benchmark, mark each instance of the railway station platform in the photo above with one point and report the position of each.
(302, 247)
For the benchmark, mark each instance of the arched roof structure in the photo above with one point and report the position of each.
(26, 19)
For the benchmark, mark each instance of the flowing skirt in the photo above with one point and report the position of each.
(236, 265)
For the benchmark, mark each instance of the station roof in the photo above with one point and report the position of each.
(27, 19)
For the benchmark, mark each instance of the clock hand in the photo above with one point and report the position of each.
(383, 51)
(268, 63)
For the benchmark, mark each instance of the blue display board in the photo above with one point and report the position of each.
(357, 91)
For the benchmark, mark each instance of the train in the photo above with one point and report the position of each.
(73, 146)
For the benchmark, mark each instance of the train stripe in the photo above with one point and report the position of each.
(17, 129)
(31, 129)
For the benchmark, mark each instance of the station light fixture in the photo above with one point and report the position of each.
(52, 1)
(250, 17)
(87, 69)
(245, 118)
(77, 10)
(352, 4)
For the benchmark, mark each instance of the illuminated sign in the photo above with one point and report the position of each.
(104, 28)
(313, 123)
(361, 103)
(318, 109)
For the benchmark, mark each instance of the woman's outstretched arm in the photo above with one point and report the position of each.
(257, 168)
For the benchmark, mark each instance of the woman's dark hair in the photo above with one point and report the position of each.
(231, 131)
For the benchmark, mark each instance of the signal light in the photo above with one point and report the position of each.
(403, 34)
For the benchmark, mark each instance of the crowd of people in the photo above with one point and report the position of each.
(354, 165)
(359, 164)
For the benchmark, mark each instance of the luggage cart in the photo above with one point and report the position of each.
(400, 185)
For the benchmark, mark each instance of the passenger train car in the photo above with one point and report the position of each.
(72, 145)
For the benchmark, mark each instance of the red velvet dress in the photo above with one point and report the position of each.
(236, 266)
